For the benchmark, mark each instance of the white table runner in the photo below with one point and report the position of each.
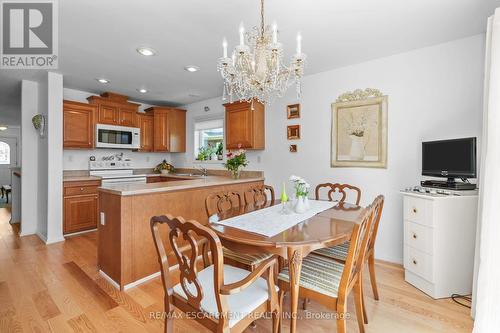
(270, 221)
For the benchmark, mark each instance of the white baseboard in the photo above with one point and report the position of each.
(110, 280)
(80, 232)
(141, 281)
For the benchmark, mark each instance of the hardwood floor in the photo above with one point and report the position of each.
(56, 288)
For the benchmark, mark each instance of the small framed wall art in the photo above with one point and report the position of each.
(293, 132)
(293, 111)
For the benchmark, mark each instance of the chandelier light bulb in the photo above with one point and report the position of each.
(275, 33)
(299, 43)
(224, 47)
(242, 34)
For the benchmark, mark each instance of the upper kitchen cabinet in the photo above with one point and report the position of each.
(115, 109)
(245, 127)
(78, 127)
(146, 124)
(169, 129)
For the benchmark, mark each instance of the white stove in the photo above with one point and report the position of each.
(115, 172)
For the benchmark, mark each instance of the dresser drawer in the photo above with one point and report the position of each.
(418, 263)
(419, 237)
(418, 210)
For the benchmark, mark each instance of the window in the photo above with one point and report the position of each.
(4, 153)
(208, 139)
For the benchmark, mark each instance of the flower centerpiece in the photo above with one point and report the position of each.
(164, 167)
(236, 161)
(301, 192)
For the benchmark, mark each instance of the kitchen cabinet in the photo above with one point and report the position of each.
(115, 109)
(78, 125)
(80, 206)
(146, 124)
(245, 126)
(169, 133)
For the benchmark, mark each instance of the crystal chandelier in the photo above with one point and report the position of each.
(256, 69)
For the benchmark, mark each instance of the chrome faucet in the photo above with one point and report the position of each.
(204, 171)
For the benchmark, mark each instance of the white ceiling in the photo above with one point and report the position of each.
(99, 38)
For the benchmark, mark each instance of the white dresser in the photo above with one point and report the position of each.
(439, 236)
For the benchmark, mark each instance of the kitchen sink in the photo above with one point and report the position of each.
(187, 175)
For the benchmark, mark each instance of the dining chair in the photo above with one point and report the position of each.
(340, 252)
(341, 189)
(224, 202)
(260, 196)
(329, 282)
(222, 298)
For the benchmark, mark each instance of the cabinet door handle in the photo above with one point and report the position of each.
(414, 210)
(414, 236)
(414, 262)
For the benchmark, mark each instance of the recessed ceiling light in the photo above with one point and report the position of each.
(192, 68)
(146, 51)
(142, 91)
(3, 128)
(102, 80)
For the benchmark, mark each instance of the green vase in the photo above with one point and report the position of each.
(235, 174)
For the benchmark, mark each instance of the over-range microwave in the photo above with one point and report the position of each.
(111, 136)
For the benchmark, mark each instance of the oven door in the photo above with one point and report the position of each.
(110, 136)
(123, 181)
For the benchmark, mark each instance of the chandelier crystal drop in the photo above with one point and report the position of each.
(256, 70)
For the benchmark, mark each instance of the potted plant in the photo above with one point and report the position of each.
(236, 161)
(219, 151)
(164, 167)
(203, 153)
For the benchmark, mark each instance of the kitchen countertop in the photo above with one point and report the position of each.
(176, 185)
(80, 178)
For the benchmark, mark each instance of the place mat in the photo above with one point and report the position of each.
(271, 221)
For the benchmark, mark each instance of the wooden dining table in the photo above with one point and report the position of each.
(328, 228)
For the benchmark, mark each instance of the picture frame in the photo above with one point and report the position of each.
(359, 130)
(293, 111)
(293, 148)
(293, 132)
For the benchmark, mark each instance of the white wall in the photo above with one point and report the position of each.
(41, 199)
(74, 159)
(434, 93)
(29, 180)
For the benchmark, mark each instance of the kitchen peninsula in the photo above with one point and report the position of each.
(126, 251)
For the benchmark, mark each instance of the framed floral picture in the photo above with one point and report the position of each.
(359, 130)
(293, 111)
(293, 132)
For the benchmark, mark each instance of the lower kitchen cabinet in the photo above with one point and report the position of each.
(80, 206)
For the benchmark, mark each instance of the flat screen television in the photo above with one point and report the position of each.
(449, 159)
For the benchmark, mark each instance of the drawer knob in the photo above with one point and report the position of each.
(414, 236)
(81, 188)
(414, 262)
(414, 210)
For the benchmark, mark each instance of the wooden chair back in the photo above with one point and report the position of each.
(335, 189)
(356, 253)
(221, 202)
(259, 195)
(196, 235)
(378, 207)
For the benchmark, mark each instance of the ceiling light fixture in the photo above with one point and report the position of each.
(146, 51)
(142, 91)
(104, 81)
(256, 70)
(3, 128)
(192, 68)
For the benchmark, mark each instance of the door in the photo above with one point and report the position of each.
(108, 114)
(78, 128)
(80, 213)
(8, 159)
(146, 125)
(239, 129)
(127, 117)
